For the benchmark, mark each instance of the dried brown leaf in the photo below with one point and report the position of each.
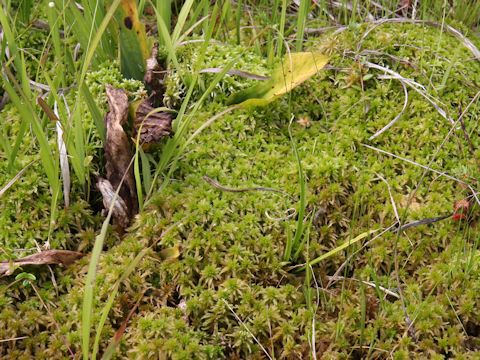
(372, 307)
(118, 155)
(59, 257)
(405, 4)
(154, 75)
(119, 211)
(47, 109)
(153, 126)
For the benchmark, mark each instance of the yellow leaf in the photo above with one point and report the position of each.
(133, 41)
(170, 254)
(294, 70)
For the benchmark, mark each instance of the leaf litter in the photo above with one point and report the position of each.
(48, 257)
(118, 156)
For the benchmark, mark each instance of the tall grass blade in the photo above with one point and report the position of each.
(88, 297)
(182, 18)
(166, 40)
(88, 305)
(146, 170)
(164, 11)
(91, 51)
(301, 20)
(95, 111)
(295, 242)
(26, 111)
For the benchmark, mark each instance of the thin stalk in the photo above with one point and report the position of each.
(301, 20)
(302, 205)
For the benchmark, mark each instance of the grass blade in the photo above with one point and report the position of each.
(295, 243)
(182, 18)
(88, 304)
(339, 248)
(301, 20)
(95, 111)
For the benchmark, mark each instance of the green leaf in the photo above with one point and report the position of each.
(294, 70)
(133, 41)
(25, 276)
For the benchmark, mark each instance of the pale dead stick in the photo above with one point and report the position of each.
(399, 115)
(248, 330)
(14, 180)
(426, 168)
(219, 186)
(14, 339)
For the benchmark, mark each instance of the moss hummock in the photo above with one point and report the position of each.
(231, 281)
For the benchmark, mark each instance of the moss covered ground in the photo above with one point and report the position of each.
(230, 294)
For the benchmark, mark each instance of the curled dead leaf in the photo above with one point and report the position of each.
(118, 155)
(154, 75)
(59, 257)
(119, 211)
(153, 125)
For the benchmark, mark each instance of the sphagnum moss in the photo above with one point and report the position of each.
(232, 249)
